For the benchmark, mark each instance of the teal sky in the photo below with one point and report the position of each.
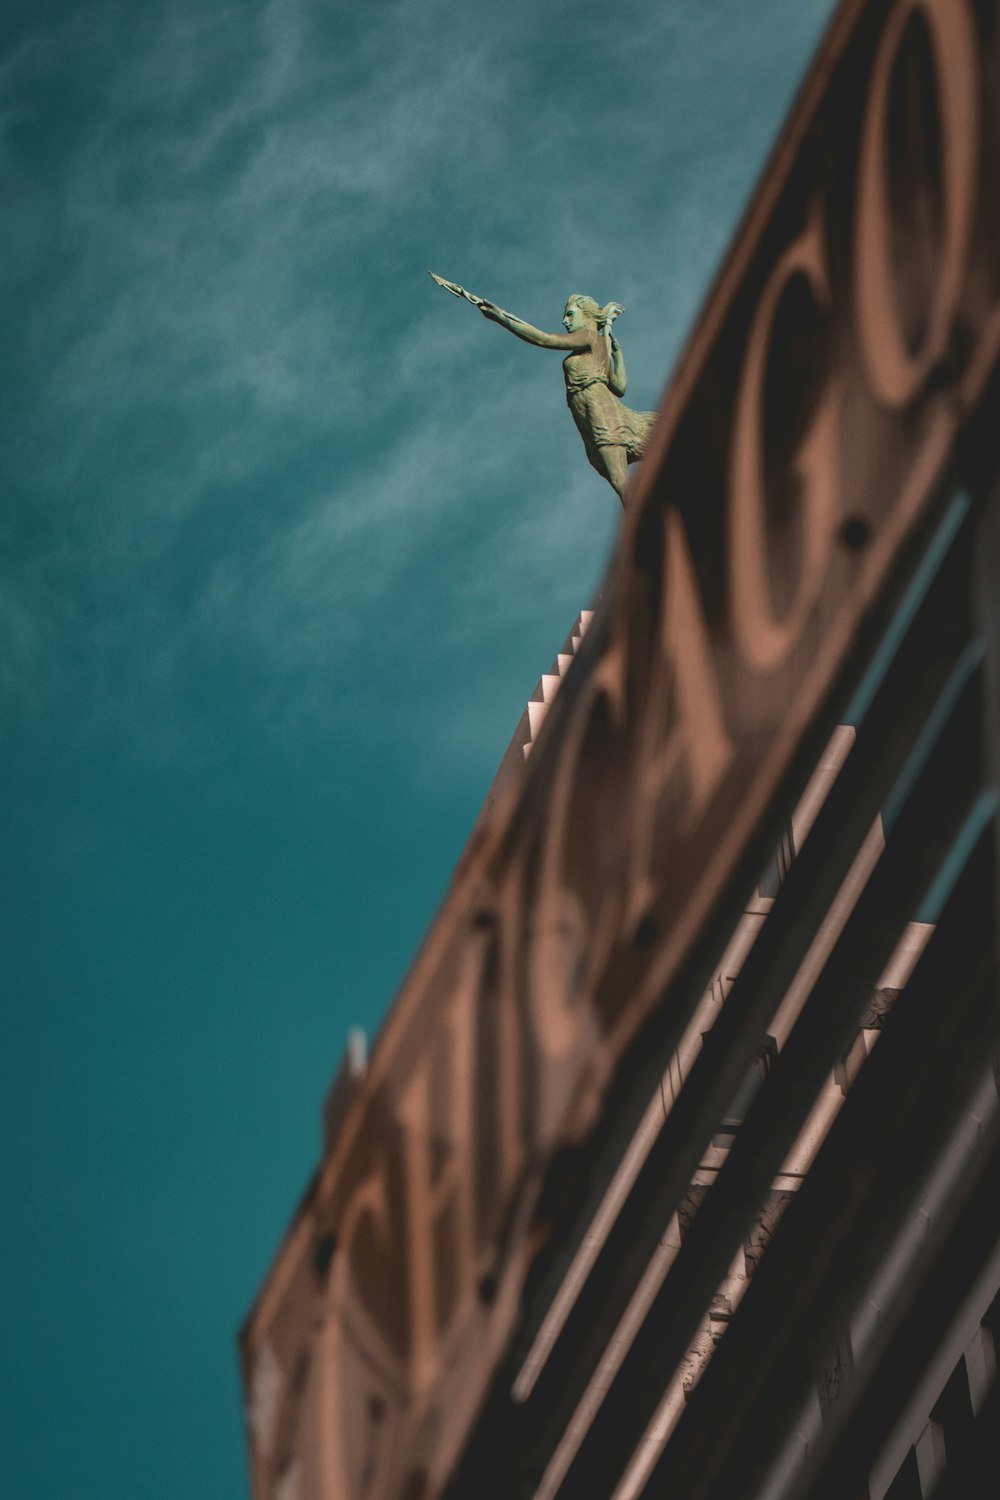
(288, 536)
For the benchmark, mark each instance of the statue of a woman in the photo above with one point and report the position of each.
(594, 368)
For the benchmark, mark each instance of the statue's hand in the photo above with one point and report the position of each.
(491, 311)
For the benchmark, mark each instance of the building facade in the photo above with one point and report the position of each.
(675, 1169)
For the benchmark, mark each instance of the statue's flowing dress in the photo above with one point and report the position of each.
(604, 420)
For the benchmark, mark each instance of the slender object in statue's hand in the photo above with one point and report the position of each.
(483, 303)
(456, 290)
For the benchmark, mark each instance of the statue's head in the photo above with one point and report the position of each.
(582, 310)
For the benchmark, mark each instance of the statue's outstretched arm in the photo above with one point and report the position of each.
(580, 339)
(526, 331)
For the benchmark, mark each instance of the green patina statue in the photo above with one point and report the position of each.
(613, 435)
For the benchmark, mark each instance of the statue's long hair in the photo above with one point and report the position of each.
(601, 315)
